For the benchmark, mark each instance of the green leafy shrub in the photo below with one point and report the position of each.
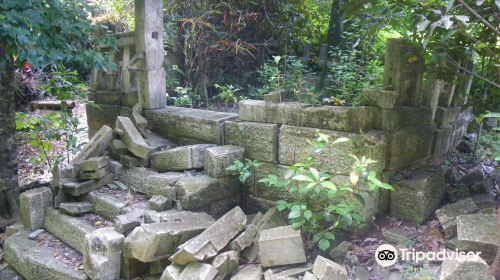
(65, 84)
(319, 205)
(244, 171)
(184, 97)
(228, 94)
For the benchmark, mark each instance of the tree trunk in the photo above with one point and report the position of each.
(9, 191)
(335, 27)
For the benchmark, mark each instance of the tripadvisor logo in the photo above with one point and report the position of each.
(387, 255)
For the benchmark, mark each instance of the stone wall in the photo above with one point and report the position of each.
(399, 127)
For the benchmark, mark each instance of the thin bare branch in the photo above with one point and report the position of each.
(478, 16)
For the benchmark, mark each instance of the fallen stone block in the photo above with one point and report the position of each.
(102, 254)
(465, 267)
(325, 269)
(117, 148)
(172, 272)
(478, 233)
(109, 205)
(150, 182)
(132, 138)
(125, 223)
(63, 173)
(180, 158)
(384, 99)
(36, 261)
(96, 146)
(131, 161)
(198, 271)
(76, 208)
(415, 198)
(94, 174)
(96, 163)
(201, 192)
(294, 147)
(212, 240)
(226, 263)
(160, 203)
(140, 122)
(281, 246)
(399, 235)
(71, 230)
(218, 159)
(248, 272)
(339, 252)
(83, 187)
(447, 215)
(152, 242)
(34, 204)
(245, 239)
(260, 140)
(188, 126)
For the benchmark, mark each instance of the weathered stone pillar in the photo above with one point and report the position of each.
(403, 71)
(149, 43)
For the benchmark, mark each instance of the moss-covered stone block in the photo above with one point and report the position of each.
(218, 159)
(408, 146)
(446, 116)
(335, 158)
(260, 140)
(417, 196)
(402, 117)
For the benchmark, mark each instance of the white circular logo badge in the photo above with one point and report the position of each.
(386, 255)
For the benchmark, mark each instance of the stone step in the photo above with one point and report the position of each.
(180, 158)
(40, 259)
(71, 230)
(111, 203)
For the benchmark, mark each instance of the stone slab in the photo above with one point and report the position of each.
(384, 99)
(402, 117)
(83, 187)
(132, 138)
(198, 271)
(478, 233)
(95, 163)
(260, 140)
(71, 230)
(351, 119)
(409, 146)
(110, 206)
(150, 182)
(96, 145)
(325, 269)
(180, 158)
(102, 254)
(37, 262)
(245, 239)
(447, 215)
(188, 126)
(281, 246)
(76, 208)
(248, 272)
(466, 267)
(226, 263)
(212, 240)
(295, 148)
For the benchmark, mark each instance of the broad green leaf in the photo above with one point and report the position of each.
(303, 178)
(324, 244)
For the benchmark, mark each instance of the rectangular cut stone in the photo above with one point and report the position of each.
(218, 159)
(99, 115)
(196, 270)
(465, 267)
(295, 148)
(402, 117)
(70, 230)
(352, 119)
(459, 130)
(132, 138)
(446, 116)
(415, 198)
(201, 192)
(95, 174)
(96, 146)
(383, 99)
(83, 187)
(36, 261)
(188, 126)
(281, 246)
(150, 182)
(34, 204)
(408, 146)
(152, 242)
(226, 263)
(478, 233)
(245, 239)
(117, 148)
(447, 215)
(180, 158)
(102, 254)
(441, 141)
(260, 140)
(172, 272)
(325, 269)
(76, 208)
(262, 190)
(212, 240)
(93, 164)
(152, 87)
(248, 272)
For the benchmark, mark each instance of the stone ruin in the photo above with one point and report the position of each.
(150, 196)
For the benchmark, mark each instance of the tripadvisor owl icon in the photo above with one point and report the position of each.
(386, 255)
